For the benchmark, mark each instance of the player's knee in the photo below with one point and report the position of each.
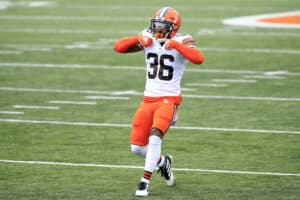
(139, 150)
(157, 132)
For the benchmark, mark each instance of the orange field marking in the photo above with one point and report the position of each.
(271, 20)
(292, 19)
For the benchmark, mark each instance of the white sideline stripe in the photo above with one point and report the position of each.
(74, 102)
(37, 107)
(11, 112)
(140, 167)
(130, 92)
(129, 125)
(107, 97)
(135, 68)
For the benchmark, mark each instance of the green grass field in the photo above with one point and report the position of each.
(238, 133)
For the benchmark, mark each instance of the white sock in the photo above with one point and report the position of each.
(153, 154)
(139, 150)
(160, 164)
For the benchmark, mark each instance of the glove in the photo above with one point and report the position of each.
(171, 44)
(144, 40)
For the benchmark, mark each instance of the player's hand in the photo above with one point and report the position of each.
(171, 44)
(144, 40)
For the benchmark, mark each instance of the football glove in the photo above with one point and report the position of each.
(171, 44)
(144, 40)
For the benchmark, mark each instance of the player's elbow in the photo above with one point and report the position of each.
(198, 59)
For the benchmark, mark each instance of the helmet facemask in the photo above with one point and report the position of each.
(161, 30)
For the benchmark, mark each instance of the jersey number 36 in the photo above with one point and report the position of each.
(160, 69)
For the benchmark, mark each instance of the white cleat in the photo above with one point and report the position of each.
(142, 189)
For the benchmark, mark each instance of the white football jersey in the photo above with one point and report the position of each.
(165, 68)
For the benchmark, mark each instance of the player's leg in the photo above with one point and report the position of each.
(163, 118)
(141, 126)
(141, 130)
(161, 121)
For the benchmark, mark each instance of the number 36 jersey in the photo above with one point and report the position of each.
(165, 68)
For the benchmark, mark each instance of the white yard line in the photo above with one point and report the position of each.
(240, 98)
(66, 31)
(37, 107)
(107, 97)
(234, 81)
(241, 32)
(97, 46)
(142, 68)
(206, 84)
(254, 50)
(106, 31)
(185, 7)
(74, 102)
(7, 52)
(11, 112)
(264, 77)
(135, 93)
(71, 66)
(188, 89)
(97, 18)
(231, 130)
(141, 167)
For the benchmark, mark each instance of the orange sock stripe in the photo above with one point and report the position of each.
(147, 175)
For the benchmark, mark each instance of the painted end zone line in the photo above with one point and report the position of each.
(140, 167)
(129, 125)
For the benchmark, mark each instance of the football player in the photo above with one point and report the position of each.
(166, 55)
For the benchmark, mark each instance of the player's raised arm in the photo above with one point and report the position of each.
(127, 45)
(133, 44)
(187, 49)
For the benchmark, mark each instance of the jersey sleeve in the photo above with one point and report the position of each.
(186, 40)
(187, 47)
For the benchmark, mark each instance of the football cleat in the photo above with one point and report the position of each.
(142, 189)
(166, 170)
(165, 23)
